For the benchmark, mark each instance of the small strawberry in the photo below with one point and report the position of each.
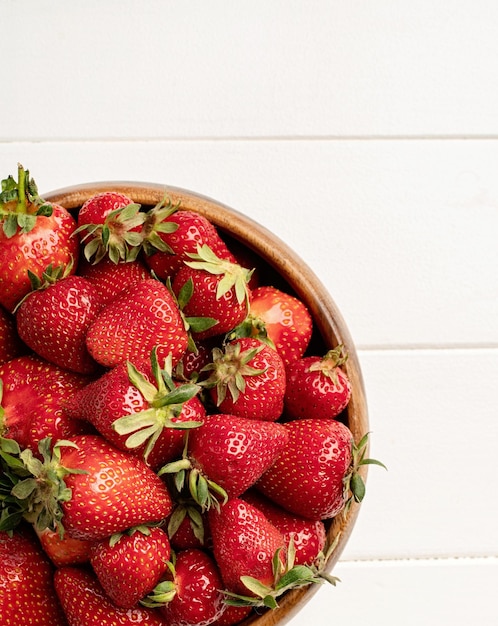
(85, 603)
(32, 396)
(110, 223)
(316, 475)
(226, 455)
(27, 594)
(89, 489)
(317, 387)
(33, 235)
(188, 527)
(143, 316)
(281, 317)
(10, 344)
(64, 550)
(111, 278)
(54, 318)
(219, 291)
(129, 565)
(194, 595)
(247, 378)
(170, 234)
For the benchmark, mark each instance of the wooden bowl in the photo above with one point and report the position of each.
(282, 265)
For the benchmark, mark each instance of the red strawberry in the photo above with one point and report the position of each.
(128, 566)
(85, 603)
(219, 291)
(284, 318)
(317, 386)
(194, 595)
(244, 544)
(32, 400)
(10, 344)
(247, 379)
(228, 452)
(308, 536)
(171, 234)
(188, 527)
(64, 550)
(140, 409)
(34, 235)
(90, 489)
(27, 594)
(143, 316)
(309, 477)
(110, 223)
(233, 615)
(53, 321)
(111, 278)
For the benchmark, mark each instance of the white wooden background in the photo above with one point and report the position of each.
(365, 134)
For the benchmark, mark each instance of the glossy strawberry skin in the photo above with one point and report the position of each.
(129, 569)
(27, 594)
(10, 344)
(234, 451)
(64, 550)
(307, 478)
(49, 242)
(34, 394)
(244, 544)
(85, 603)
(54, 321)
(287, 321)
(198, 599)
(118, 490)
(143, 316)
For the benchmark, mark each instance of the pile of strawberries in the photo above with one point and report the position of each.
(170, 450)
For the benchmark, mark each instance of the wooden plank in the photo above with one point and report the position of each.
(403, 234)
(221, 69)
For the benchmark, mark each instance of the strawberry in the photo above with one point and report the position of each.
(32, 395)
(143, 316)
(85, 603)
(10, 344)
(89, 489)
(140, 409)
(194, 595)
(308, 536)
(64, 550)
(171, 234)
(317, 386)
(27, 594)
(233, 615)
(188, 527)
(247, 378)
(111, 278)
(283, 318)
(54, 318)
(227, 455)
(129, 565)
(110, 223)
(219, 291)
(316, 475)
(34, 235)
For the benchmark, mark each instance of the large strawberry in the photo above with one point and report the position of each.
(85, 603)
(316, 474)
(227, 455)
(143, 316)
(32, 395)
(193, 596)
(54, 318)
(109, 224)
(10, 344)
(27, 594)
(247, 378)
(317, 387)
(219, 291)
(89, 489)
(33, 235)
(129, 565)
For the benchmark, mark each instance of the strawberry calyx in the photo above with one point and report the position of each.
(155, 224)
(191, 324)
(164, 592)
(183, 510)
(252, 327)
(20, 204)
(229, 369)
(165, 399)
(286, 576)
(12, 470)
(116, 237)
(328, 364)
